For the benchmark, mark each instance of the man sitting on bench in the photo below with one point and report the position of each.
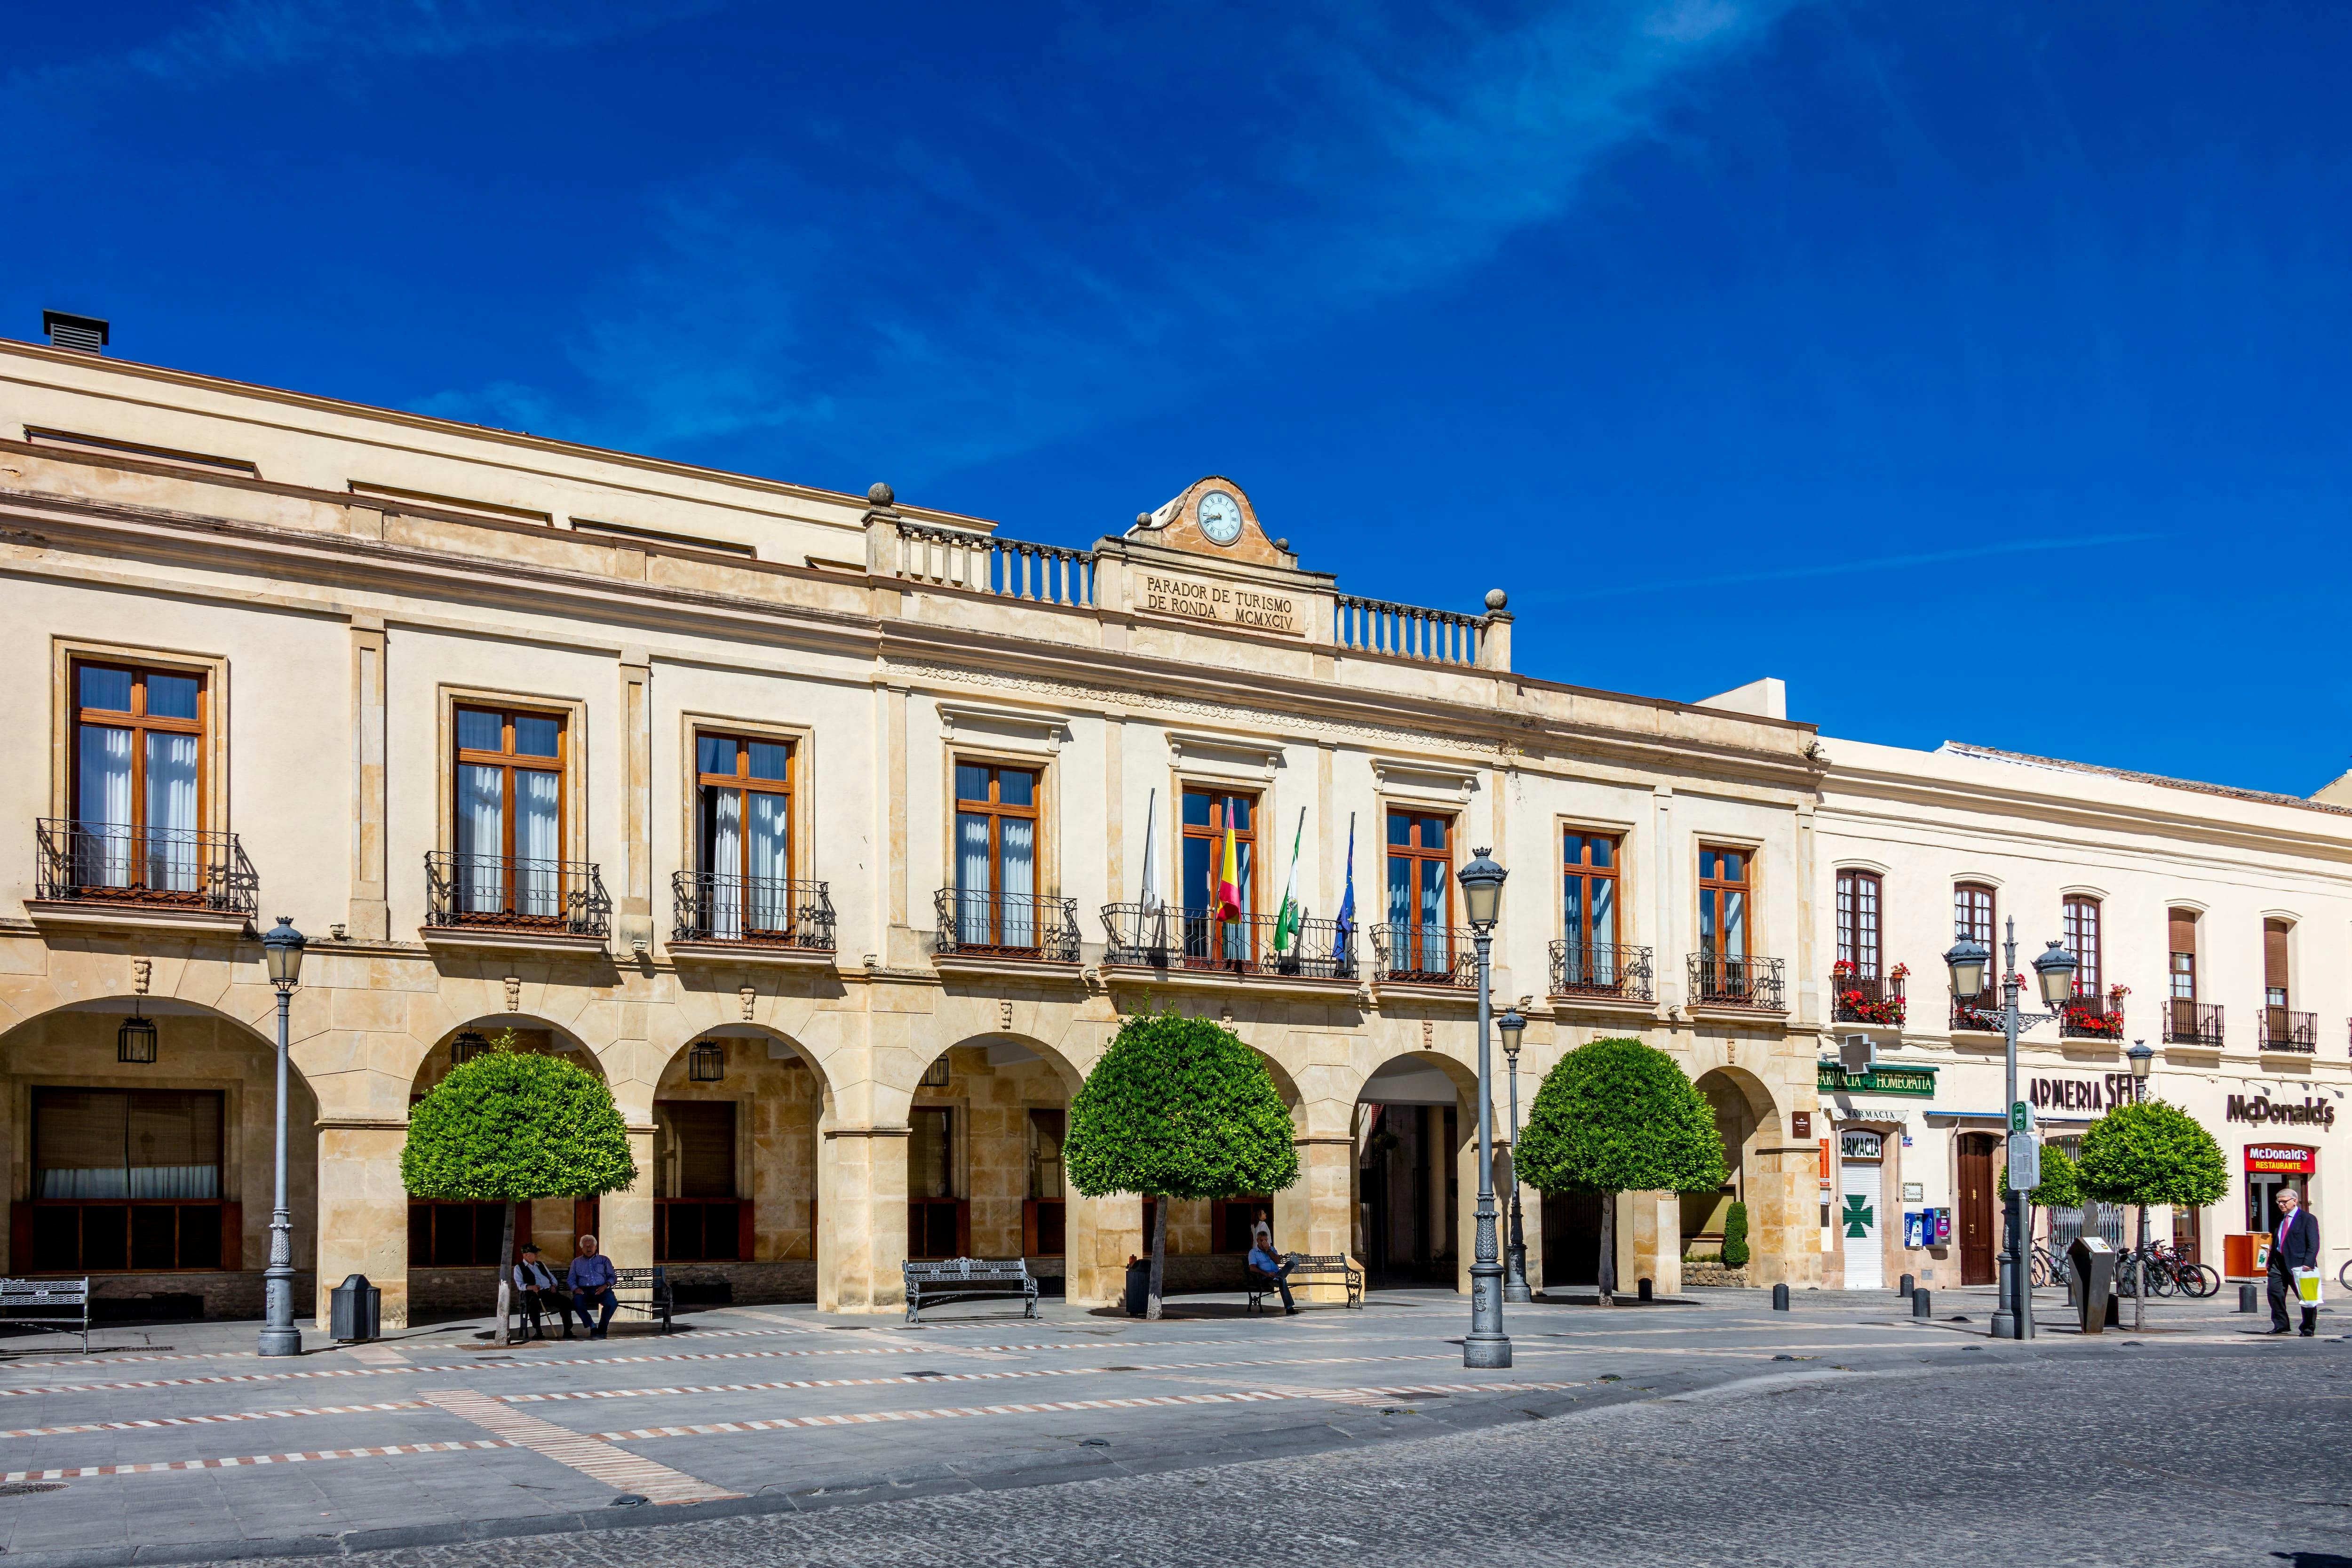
(592, 1282)
(1272, 1272)
(536, 1290)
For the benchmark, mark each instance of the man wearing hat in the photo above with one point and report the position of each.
(536, 1288)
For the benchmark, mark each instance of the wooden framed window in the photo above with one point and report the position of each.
(698, 1218)
(938, 1222)
(1972, 911)
(1858, 903)
(743, 833)
(1421, 894)
(997, 817)
(1205, 814)
(1724, 877)
(509, 813)
(2079, 924)
(2274, 974)
(138, 786)
(1589, 865)
(2181, 924)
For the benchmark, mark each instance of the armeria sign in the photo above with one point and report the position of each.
(2080, 1093)
(2260, 1109)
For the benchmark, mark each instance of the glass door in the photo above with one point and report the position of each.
(1421, 894)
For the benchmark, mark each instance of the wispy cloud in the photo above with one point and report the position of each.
(1835, 568)
(851, 300)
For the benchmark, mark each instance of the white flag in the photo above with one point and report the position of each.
(1151, 900)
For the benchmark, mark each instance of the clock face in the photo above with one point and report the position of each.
(1221, 517)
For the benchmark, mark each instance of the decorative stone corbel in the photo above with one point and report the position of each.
(751, 998)
(142, 973)
(514, 993)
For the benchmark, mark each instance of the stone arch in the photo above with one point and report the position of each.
(533, 1036)
(1413, 1167)
(1747, 1122)
(731, 1196)
(211, 1170)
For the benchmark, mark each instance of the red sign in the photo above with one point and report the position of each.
(2281, 1159)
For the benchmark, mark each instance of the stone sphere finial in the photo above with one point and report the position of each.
(879, 494)
(1283, 545)
(1144, 519)
(1496, 598)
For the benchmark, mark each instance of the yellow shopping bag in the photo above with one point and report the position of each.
(2307, 1286)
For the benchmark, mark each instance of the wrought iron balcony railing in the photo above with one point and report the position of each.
(102, 862)
(1416, 954)
(2280, 1030)
(1192, 938)
(1727, 979)
(1600, 968)
(501, 892)
(758, 911)
(979, 923)
(1857, 998)
(2091, 1016)
(2191, 1023)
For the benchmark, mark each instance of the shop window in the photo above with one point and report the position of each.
(125, 1180)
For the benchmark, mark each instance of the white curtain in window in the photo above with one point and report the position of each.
(972, 884)
(726, 828)
(174, 863)
(539, 885)
(1017, 841)
(103, 812)
(770, 863)
(481, 840)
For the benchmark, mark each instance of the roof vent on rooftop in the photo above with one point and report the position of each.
(66, 330)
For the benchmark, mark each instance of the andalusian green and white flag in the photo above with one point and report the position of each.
(1285, 924)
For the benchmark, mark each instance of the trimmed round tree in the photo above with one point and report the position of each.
(1621, 1117)
(2152, 1153)
(1177, 1107)
(508, 1127)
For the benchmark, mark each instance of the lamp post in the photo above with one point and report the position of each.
(1510, 1026)
(282, 949)
(1486, 1345)
(2054, 972)
(2142, 1061)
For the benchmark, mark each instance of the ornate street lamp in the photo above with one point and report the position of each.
(1510, 1026)
(2054, 972)
(1486, 1345)
(465, 1047)
(2143, 1062)
(282, 949)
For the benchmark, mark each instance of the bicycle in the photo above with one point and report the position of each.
(2050, 1268)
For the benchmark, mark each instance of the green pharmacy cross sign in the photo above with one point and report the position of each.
(1859, 1217)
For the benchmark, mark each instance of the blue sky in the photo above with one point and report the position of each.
(1976, 369)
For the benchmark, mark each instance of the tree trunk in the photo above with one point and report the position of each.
(506, 1273)
(1158, 1256)
(1608, 1274)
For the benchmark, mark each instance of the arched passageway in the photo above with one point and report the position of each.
(984, 1175)
(1415, 1119)
(154, 1174)
(1743, 1114)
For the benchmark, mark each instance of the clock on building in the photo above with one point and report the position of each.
(1221, 517)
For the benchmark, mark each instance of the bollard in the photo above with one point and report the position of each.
(1907, 1286)
(1642, 1290)
(2250, 1298)
(1919, 1308)
(1779, 1297)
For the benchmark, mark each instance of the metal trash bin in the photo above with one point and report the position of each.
(355, 1309)
(2093, 1286)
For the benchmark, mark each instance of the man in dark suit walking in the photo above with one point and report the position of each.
(2295, 1245)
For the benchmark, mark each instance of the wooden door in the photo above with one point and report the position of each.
(1979, 1206)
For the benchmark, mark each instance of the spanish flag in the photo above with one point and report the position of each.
(1229, 879)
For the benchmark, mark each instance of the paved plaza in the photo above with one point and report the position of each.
(1716, 1432)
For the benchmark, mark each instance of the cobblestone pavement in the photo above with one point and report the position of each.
(1720, 1433)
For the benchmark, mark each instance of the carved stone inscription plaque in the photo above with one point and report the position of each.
(1226, 604)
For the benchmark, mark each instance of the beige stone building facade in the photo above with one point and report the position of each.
(822, 827)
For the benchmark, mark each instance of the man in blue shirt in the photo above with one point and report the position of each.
(592, 1282)
(1269, 1269)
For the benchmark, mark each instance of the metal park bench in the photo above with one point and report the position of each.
(645, 1291)
(67, 1304)
(1337, 1266)
(934, 1281)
